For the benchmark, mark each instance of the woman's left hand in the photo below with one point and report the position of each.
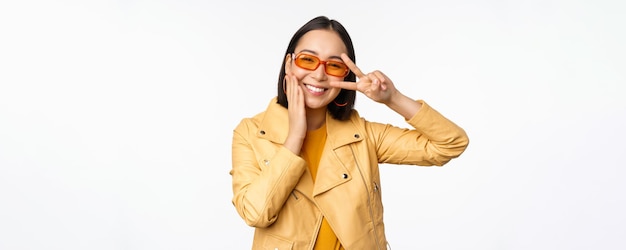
(375, 85)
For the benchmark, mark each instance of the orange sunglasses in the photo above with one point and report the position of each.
(311, 62)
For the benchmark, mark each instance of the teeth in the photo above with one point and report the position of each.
(314, 89)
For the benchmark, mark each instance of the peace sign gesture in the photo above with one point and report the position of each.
(375, 85)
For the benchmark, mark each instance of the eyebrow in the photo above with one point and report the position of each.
(315, 53)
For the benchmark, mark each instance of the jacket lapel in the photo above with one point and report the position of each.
(274, 123)
(333, 169)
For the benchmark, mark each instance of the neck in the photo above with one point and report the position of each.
(315, 118)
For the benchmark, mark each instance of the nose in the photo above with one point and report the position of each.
(320, 72)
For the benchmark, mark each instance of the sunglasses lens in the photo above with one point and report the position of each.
(307, 62)
(334, 68)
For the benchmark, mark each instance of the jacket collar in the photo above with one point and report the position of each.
(274, 123)
(274, 127)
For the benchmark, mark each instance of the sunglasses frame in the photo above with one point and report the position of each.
(320, 62)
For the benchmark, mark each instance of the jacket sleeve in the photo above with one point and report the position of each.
(434, 141)
(261, 181)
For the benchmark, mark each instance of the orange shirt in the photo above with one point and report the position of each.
(311, 152)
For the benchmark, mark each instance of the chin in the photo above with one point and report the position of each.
(316, 105)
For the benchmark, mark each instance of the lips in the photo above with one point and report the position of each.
(315, 89)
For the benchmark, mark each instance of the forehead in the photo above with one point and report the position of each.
(322, 42)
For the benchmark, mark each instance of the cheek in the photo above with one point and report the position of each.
(297, 72)
(302, 73)
(291, 68)
(335, 92)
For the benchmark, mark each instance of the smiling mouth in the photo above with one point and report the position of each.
(315, 89)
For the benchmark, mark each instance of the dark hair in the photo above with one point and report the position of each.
(346, 96)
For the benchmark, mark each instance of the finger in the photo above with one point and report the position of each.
(352, 66)
(381, 78)
(297, 91)
(291, 87)
(287, 85)
(372, 79)
(344, 85)
(377, 75)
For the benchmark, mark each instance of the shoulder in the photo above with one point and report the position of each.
(354, 124)
(357, 119)
(250, 123)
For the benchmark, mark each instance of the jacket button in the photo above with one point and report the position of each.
(262, 132)
(267, 162)
(357, 136)
(345, 176)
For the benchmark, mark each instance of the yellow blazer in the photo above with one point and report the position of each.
(273, 190)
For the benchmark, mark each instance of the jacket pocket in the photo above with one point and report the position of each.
(275, 243)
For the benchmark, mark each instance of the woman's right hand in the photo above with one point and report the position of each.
(297, 114)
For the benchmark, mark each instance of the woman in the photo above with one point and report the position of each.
(305, 171)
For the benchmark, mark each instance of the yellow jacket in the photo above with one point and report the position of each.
(273, 190)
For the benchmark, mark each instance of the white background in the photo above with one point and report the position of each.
(116, 118)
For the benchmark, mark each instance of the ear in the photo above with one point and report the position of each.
(288, 64)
